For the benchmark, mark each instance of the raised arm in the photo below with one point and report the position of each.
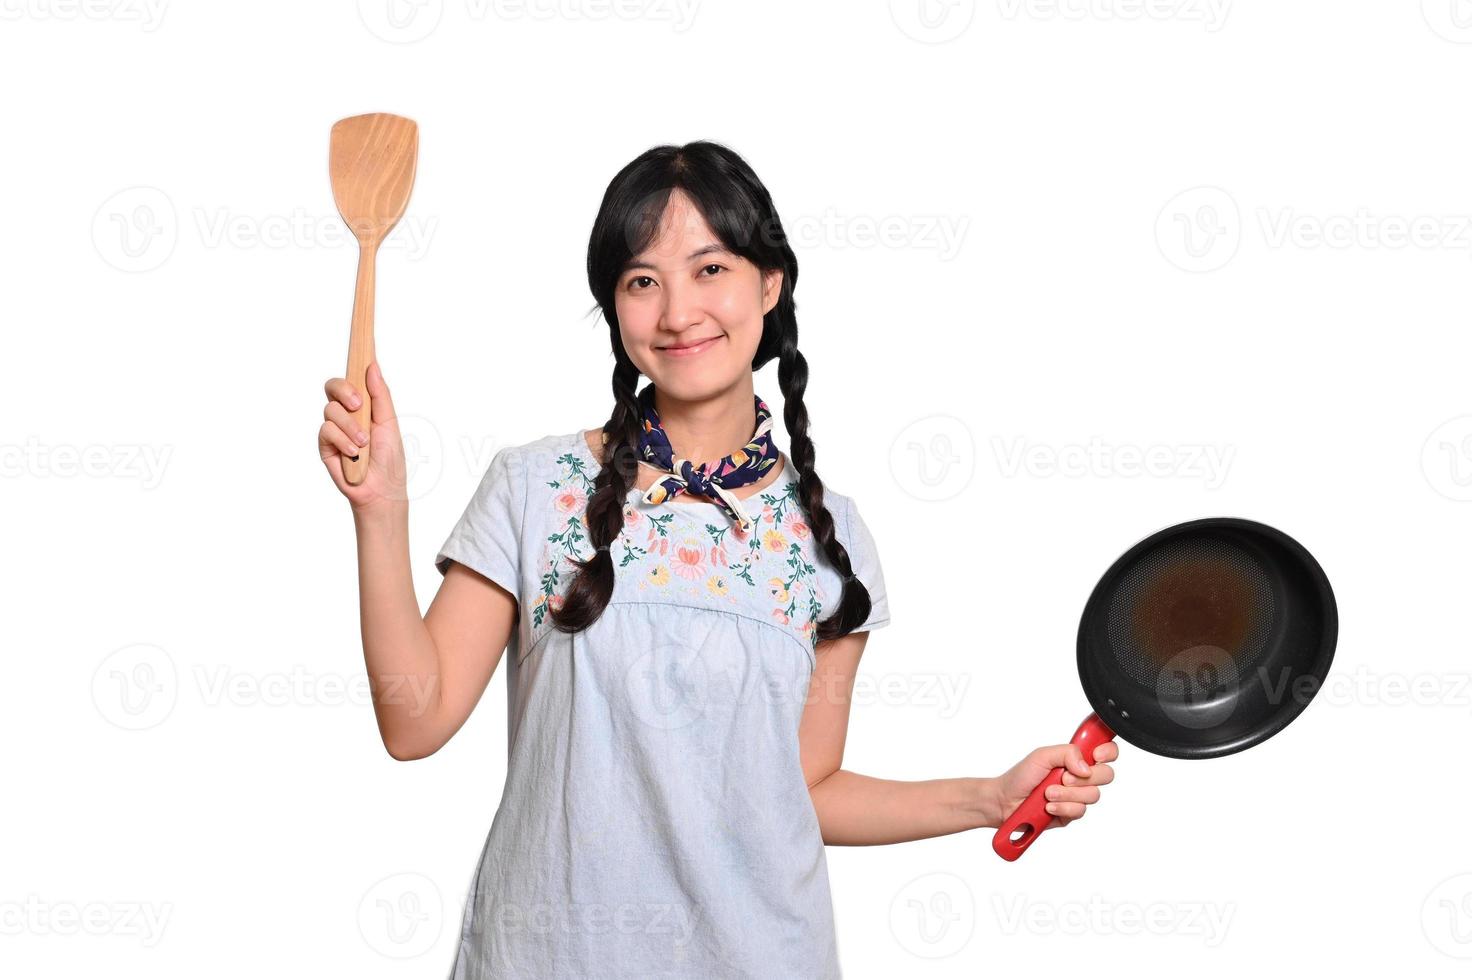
(426, 673)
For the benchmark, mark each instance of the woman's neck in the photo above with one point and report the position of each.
(707, 431)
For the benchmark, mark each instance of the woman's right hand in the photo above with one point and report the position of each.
(384, 486)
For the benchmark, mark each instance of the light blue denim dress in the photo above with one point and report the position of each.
(655, 821)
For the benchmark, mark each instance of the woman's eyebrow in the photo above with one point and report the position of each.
(637, 263)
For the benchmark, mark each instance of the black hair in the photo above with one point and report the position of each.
(738, 209)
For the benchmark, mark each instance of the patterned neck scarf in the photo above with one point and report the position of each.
(747, 465)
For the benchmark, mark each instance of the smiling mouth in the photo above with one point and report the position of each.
(695, 348)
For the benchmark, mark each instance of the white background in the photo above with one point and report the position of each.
(1080, 231)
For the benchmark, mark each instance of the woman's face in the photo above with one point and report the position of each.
(686, 290)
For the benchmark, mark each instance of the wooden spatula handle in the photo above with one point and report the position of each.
(360, 355)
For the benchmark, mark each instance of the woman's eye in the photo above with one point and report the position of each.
(634, 282)
(713, 266)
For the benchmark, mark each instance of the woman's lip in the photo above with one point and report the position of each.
(699, 348)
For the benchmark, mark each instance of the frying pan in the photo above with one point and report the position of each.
(1203, 639)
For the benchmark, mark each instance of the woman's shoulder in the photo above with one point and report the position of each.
(839, 504)
(539, 466)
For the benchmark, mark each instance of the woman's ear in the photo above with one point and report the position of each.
(771, 289)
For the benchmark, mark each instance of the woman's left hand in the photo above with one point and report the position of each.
(1066, 801)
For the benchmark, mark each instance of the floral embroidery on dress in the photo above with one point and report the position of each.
(704, 560)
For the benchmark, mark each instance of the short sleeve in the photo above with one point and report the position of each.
(487, 538)
(863, 555)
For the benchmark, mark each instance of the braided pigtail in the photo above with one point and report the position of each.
(592, 585)
(854, 603)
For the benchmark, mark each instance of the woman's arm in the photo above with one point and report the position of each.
(426, 673)
(854, 809)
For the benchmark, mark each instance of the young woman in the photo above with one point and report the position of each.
(685, 607)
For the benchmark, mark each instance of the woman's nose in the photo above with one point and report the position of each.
(681, 308)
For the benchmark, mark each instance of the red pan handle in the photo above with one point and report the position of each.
(1030, 819)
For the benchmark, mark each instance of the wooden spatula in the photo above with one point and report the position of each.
(371, 162)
